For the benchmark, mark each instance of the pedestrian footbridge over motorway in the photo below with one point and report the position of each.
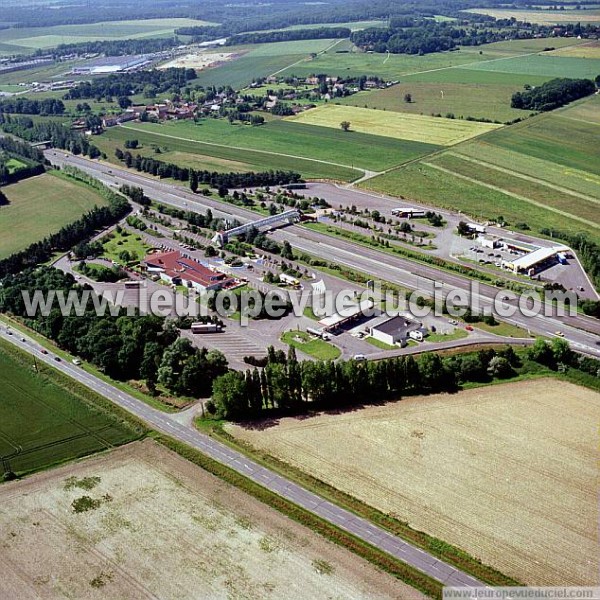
(289, 216)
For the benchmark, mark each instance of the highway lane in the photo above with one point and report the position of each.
(168, 425)
(582, 332)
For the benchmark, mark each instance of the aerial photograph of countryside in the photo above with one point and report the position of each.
(299, 300)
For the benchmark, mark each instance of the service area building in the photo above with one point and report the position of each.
(394, 330)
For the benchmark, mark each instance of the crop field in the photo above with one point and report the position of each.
(587, 111)
(280, 141)
(48, 37)
(479, 101)
(416, 128)
(112, 526)
(42, 423)
(39, 206)
(588, 50)
(548, 17)
(487, 470)
(466, 76)
(545, 65)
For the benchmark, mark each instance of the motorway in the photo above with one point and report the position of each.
(581, 332)
(169, 425)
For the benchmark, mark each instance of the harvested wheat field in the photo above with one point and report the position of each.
(141, 522)
(506, 472)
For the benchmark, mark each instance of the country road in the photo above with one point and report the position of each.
(581, 332)
(169, 425)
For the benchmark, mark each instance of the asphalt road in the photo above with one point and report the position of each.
(167, 424)
(581, 332)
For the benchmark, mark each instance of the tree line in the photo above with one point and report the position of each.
(553, 94)
(58, 135)
(71, 234)
(124, 347)
(32, 159)
(25, 106)
(264, 37)
(423, 36)
(286, 386)
(212, 178)
(114, 47)
(123, 85)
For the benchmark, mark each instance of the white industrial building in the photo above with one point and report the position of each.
(394, 330)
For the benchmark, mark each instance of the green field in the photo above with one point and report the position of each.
(34, 38)
(40, 206)
(479, 101)
(277, 143)
(545, 65)
(413, 127)
(12, 164)
(544, 172)
(43, 422)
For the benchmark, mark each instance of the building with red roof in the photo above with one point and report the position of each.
(176, 269)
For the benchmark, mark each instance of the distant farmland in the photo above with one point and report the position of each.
(40, 206)
(42, 423)
(34, 38)
(548, 17)
(434, 462)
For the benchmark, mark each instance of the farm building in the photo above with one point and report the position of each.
(174, 268)
(393, 330)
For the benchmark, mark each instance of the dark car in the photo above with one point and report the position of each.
(57, 358)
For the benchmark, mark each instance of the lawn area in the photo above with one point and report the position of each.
(503, 329)
(43, 422)
(277, 143)
(457, 334)
(28, 38)
(12, 164)
(379, 344)
(40, 206)
(413, 127)
(311, 345)
(487, 101)
(115, 243)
